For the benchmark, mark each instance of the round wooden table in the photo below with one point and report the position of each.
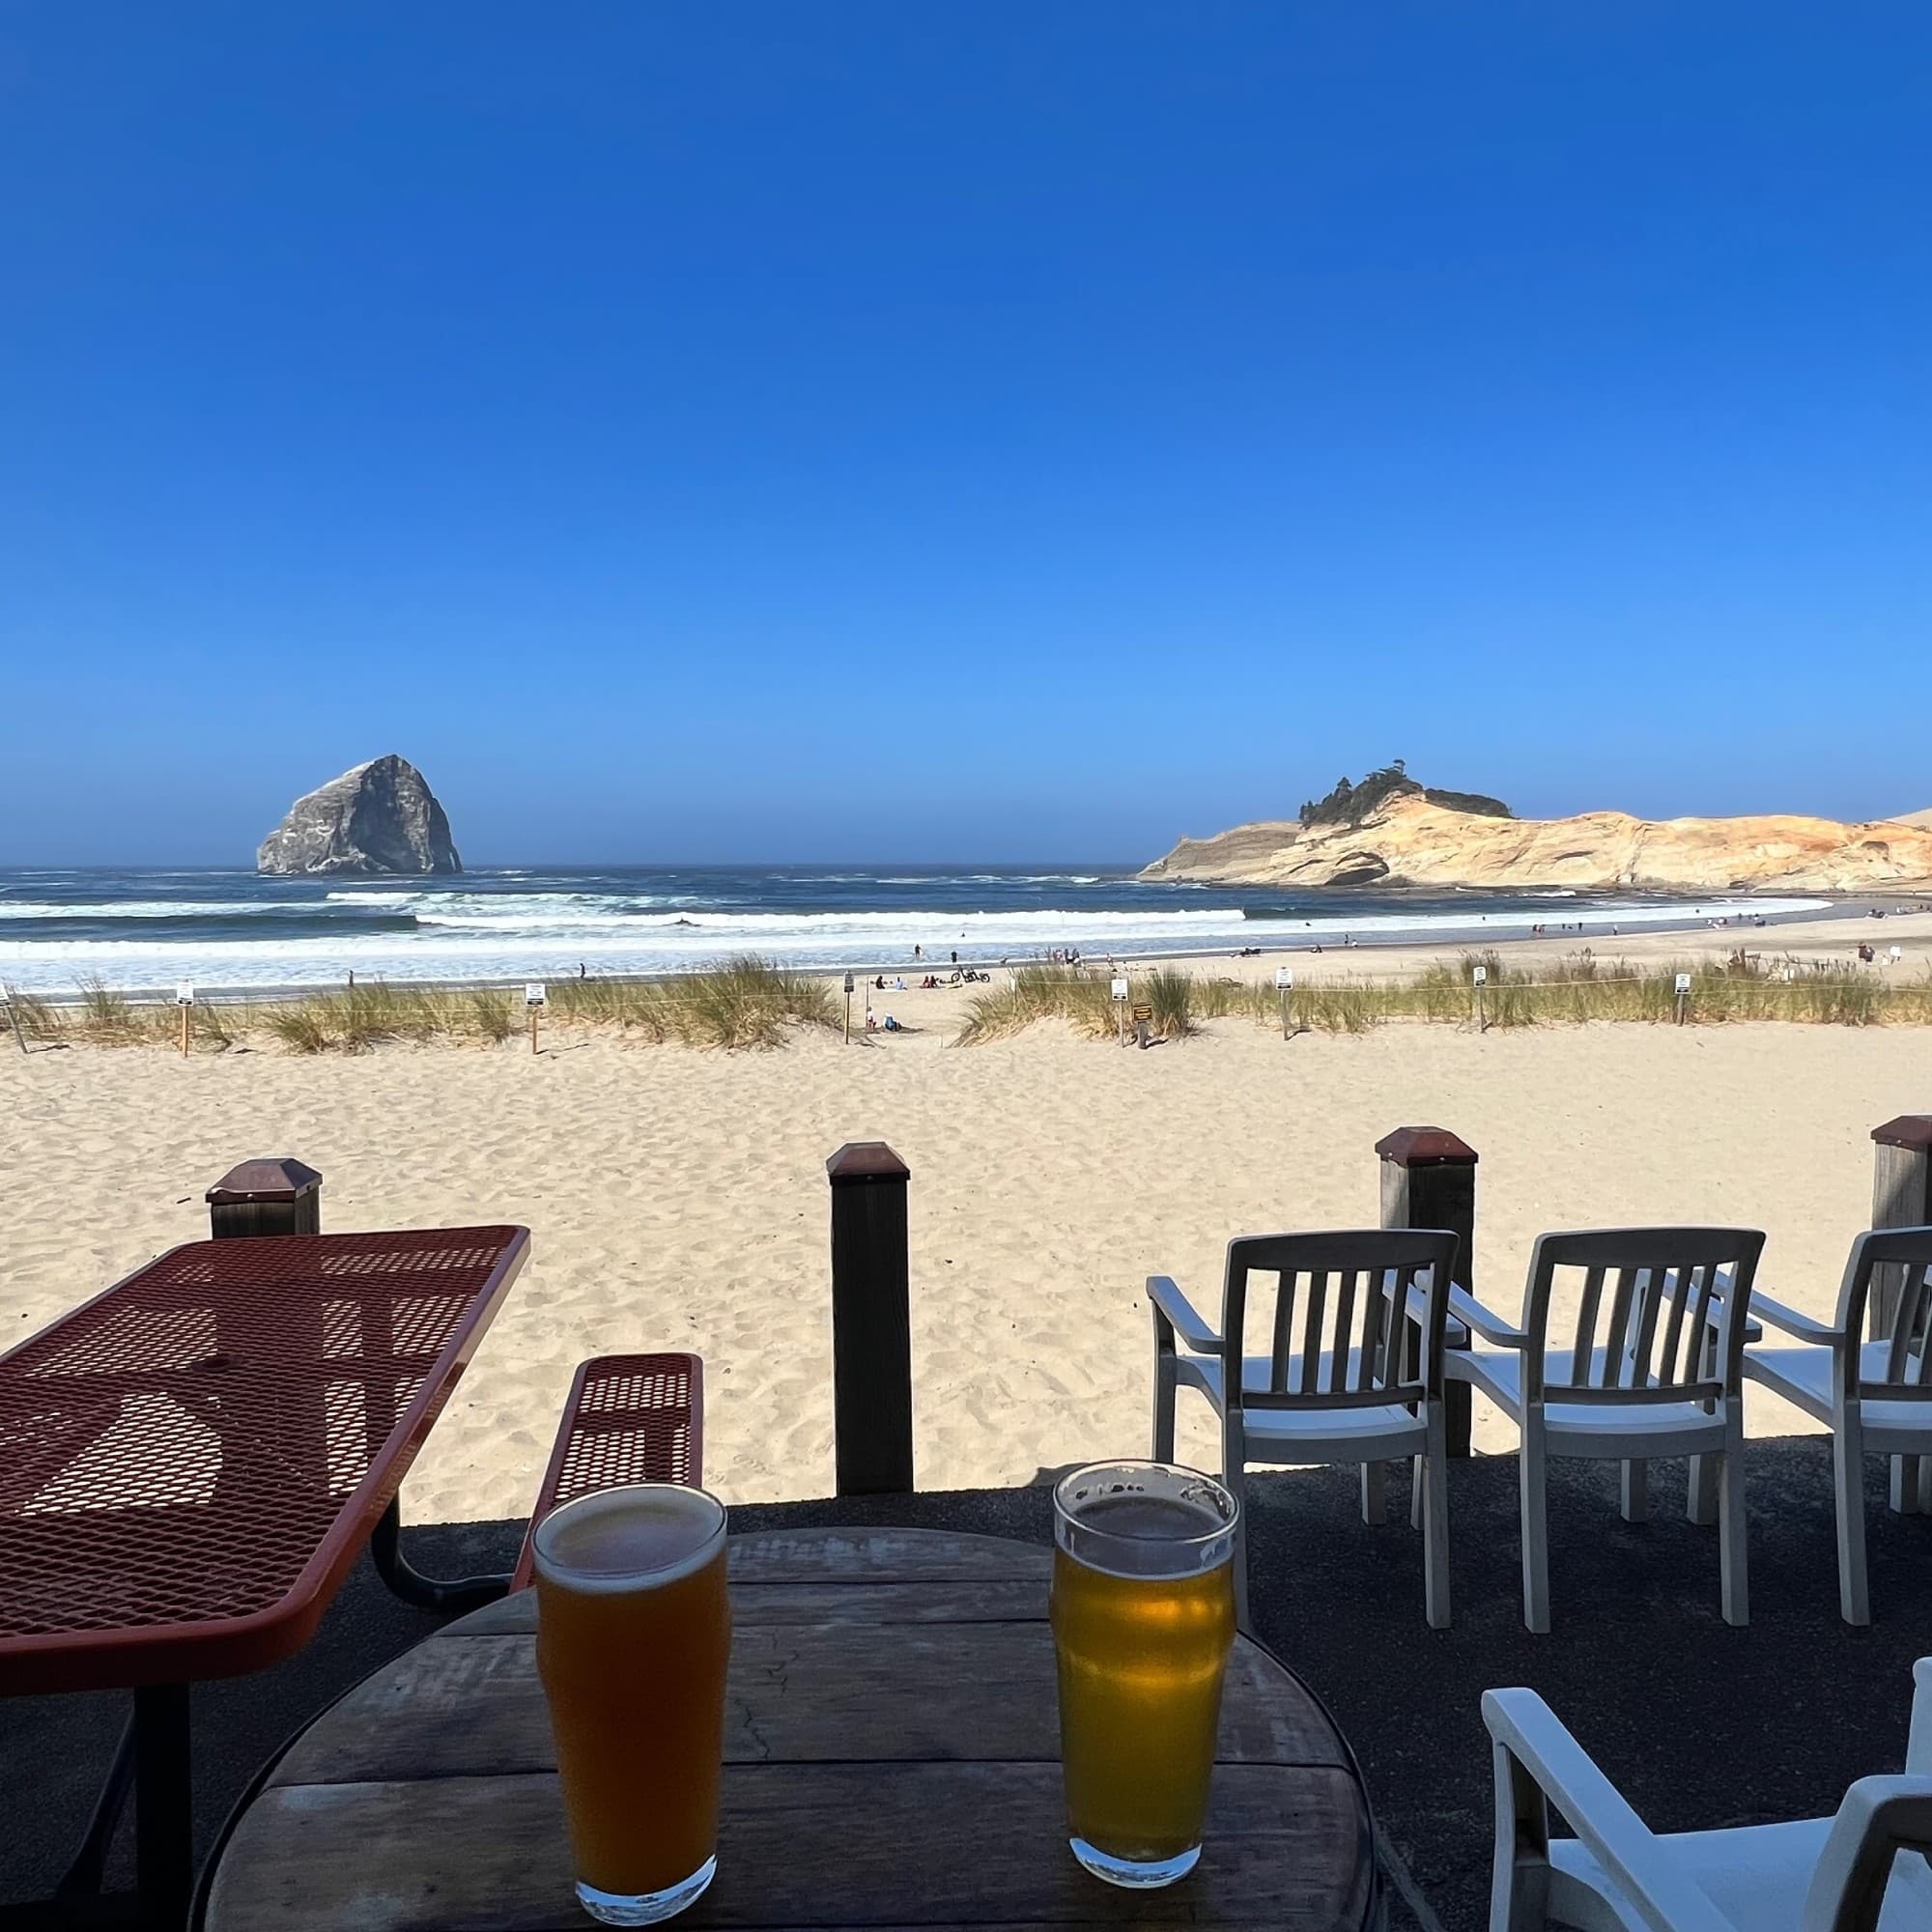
(891, 1758)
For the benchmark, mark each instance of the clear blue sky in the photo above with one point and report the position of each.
(709, 430)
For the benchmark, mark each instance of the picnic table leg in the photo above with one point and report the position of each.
(163, 1812)
(84, 1876)
(467, 1593)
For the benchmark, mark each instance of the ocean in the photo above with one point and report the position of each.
(140, 930)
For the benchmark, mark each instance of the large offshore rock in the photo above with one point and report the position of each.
(379, 817)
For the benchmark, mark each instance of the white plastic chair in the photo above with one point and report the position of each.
(1353, 1376)
(1875, 1396)
(1858, 1871)
(1653, 1370)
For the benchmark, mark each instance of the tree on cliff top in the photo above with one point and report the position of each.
(1350, 803)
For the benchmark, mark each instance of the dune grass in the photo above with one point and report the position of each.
(1579, 988)
(742, 1003)
(752, 1003)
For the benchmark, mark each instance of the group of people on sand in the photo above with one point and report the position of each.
(1868, 954)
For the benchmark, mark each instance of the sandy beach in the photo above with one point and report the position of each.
(1805, 941)
(678, 1197)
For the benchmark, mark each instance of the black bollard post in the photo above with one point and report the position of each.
(266, 1197)
(871, 1323)
(1429, 1180)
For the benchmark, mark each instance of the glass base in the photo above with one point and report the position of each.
(645, 1908)
(1137, 1874)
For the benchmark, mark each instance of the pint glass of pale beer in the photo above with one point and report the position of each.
(634, 1632)
(1143, 1620)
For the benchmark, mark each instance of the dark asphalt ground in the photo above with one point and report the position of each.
(1699, 1724)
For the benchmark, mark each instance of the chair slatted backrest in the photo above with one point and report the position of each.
(1650, 1303)
(1905, 1254)
(1340, 1334)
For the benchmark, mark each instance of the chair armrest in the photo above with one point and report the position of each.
(1794, 1323)
(1416, 1304)
(1878, 1817)
(1465, 1308)
(1165, 1293)
(1634, 1857)
(1721, 1295)
(1918, 1739)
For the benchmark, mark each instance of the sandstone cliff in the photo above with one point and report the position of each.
(380, 818)
(1412, 842)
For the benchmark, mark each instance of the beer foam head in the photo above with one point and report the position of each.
(1148, 1520)
(628, 1538)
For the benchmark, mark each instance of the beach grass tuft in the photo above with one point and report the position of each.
(1578, 989)
(752, 1003)
(491, 1017)
(1169, 992)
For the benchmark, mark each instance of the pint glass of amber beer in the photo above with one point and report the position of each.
(634, 1632)
(1143, 1620)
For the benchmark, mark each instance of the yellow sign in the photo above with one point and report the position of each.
(1143, 1013)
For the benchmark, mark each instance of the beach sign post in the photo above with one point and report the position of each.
(534, 998)
(1119, 993)
(185, 1001)
(1284, 984)
(848, 1009)
(1479, 977)
(1683, 997)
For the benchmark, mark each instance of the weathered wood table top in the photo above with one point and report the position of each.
(892, 1758)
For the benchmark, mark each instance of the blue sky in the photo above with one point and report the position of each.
(711, 431)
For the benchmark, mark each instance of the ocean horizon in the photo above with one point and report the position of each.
(152, 927)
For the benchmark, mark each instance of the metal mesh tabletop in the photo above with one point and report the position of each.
(191, 1462)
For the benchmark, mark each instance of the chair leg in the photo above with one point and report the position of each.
(1435, 1470)
(1848, 1490)
(1700, 1502)
(1925, 1485)
(1415, 1482)
(1374, 1507)
(1908, 1484)
(1532, 1467)
(1636, 1493)
(1734, 1586)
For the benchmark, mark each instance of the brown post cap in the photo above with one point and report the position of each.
(285, 1180)
(1426, 1147)
(859, 1163)
(1909, 1130)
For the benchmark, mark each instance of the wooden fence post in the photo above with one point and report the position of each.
(266, 1197)
(871, 1324)
(1901, 1198)
(1429, 1180)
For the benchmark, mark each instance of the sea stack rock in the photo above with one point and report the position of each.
(380, 818)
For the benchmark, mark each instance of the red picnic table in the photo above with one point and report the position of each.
(190, 1464)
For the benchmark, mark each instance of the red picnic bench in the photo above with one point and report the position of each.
(627, 1419)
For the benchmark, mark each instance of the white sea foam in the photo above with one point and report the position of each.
(535, 935)
(149, 908)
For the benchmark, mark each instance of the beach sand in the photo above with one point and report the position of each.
(678, 1197)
